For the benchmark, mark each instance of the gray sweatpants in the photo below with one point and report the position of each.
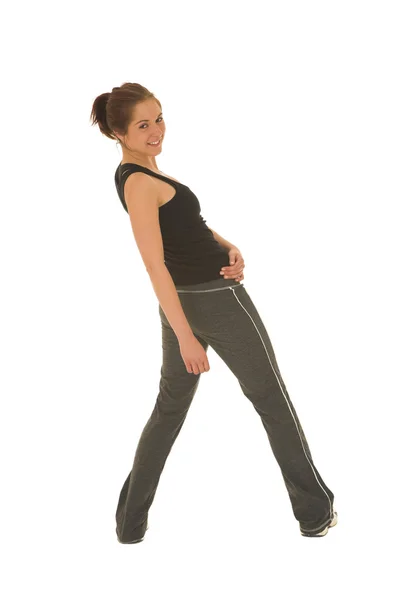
(221, 314)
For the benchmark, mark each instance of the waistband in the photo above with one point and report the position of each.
(208, 286)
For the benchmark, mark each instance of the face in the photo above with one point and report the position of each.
(146, 126)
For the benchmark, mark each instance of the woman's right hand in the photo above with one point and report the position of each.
(194, 356)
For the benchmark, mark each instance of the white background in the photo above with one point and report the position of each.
(283, 118)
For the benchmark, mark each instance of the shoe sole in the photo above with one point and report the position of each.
(324, 531)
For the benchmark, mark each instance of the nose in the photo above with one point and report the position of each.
(158, 133)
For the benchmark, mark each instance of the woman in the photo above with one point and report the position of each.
(196, 275)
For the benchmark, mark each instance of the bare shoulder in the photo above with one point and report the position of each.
(140, 188)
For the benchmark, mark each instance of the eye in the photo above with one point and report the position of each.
(141, 127)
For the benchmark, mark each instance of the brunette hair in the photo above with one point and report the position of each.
(113, 111)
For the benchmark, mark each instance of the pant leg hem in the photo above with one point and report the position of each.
(316, 529)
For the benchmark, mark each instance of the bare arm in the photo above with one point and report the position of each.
(168, 298)
(142, 201)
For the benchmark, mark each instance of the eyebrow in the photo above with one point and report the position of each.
(143, 120)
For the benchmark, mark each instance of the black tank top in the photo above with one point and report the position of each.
(191, 253)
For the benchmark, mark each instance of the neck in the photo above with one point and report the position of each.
(148, 162)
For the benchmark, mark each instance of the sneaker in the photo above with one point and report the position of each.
(324, 531)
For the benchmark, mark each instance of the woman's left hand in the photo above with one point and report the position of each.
(236, 265)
